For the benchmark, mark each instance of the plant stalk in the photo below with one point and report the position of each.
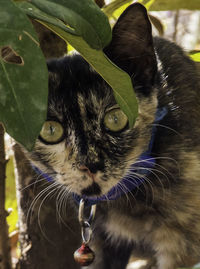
(5, 256)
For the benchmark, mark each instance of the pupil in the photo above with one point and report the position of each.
(52, 129)
(115, 119)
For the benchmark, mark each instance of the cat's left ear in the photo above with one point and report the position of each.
(132, 47)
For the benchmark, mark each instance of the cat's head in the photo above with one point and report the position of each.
(86, 143)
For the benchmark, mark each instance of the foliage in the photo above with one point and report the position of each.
(23, 114)
(23, 97)
(195, 56)
(118, 79)
(77, 18)
(116, 6)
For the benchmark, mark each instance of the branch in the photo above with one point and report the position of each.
(176, 18)
(5, 256)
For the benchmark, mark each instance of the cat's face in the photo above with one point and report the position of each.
(86, 143)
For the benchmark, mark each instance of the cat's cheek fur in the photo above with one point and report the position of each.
(57, 161)
(190, 167)
(144, 125)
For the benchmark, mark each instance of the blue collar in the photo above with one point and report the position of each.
(132, 180)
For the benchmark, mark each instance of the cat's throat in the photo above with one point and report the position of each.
(93, 189)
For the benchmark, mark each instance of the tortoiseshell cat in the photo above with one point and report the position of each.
(86, 144)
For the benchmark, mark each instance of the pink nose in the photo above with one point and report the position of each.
(83, 168)
(86, 170)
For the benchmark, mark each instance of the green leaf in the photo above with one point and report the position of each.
(148, 3)
(119, 5)
(115, 8)
(23, 76)
(115, 77)
(118, 79)
(83, 18)
(11, 201)
(195, 56)
(35, 13)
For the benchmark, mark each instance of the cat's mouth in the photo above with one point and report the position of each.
(93, 189)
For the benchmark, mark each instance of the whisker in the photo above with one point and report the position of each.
(156, 164)
(63, 195)
(147, 180)
(123, 188)
(58, 217)
(39, 209)
(130, 174)
(153, 170)
(66, 197)
(35, 182)
(167, 127)
(38, 196)
(126, 190)
(157, 158)
(165, 169)
(108, 200)
(135, 177)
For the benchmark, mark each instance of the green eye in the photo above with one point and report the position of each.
(115, 120)
(52, 132)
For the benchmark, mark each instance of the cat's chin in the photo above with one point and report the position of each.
(92, 190)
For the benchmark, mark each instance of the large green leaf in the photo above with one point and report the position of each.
(83, 18)
(115, 77)
(23, 85)
(35, 13)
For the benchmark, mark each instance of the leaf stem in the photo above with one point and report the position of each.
(5, 256)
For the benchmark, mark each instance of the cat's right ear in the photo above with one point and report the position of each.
(132, 47)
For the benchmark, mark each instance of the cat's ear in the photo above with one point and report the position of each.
(132, 48)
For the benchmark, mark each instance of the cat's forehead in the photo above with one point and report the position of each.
(78, 90)
(92, 103)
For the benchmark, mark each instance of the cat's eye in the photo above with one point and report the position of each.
(52, 132)
(115, 120)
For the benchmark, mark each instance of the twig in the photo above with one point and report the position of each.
(5, 256)
(176, 19)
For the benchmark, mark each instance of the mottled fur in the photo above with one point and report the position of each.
(161, 218)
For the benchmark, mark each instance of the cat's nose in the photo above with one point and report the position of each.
(83, 168)
(86, 170)
(92, 167)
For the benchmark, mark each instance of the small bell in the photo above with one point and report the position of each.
(84, 255)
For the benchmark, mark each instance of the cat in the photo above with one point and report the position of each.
(86, 145)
